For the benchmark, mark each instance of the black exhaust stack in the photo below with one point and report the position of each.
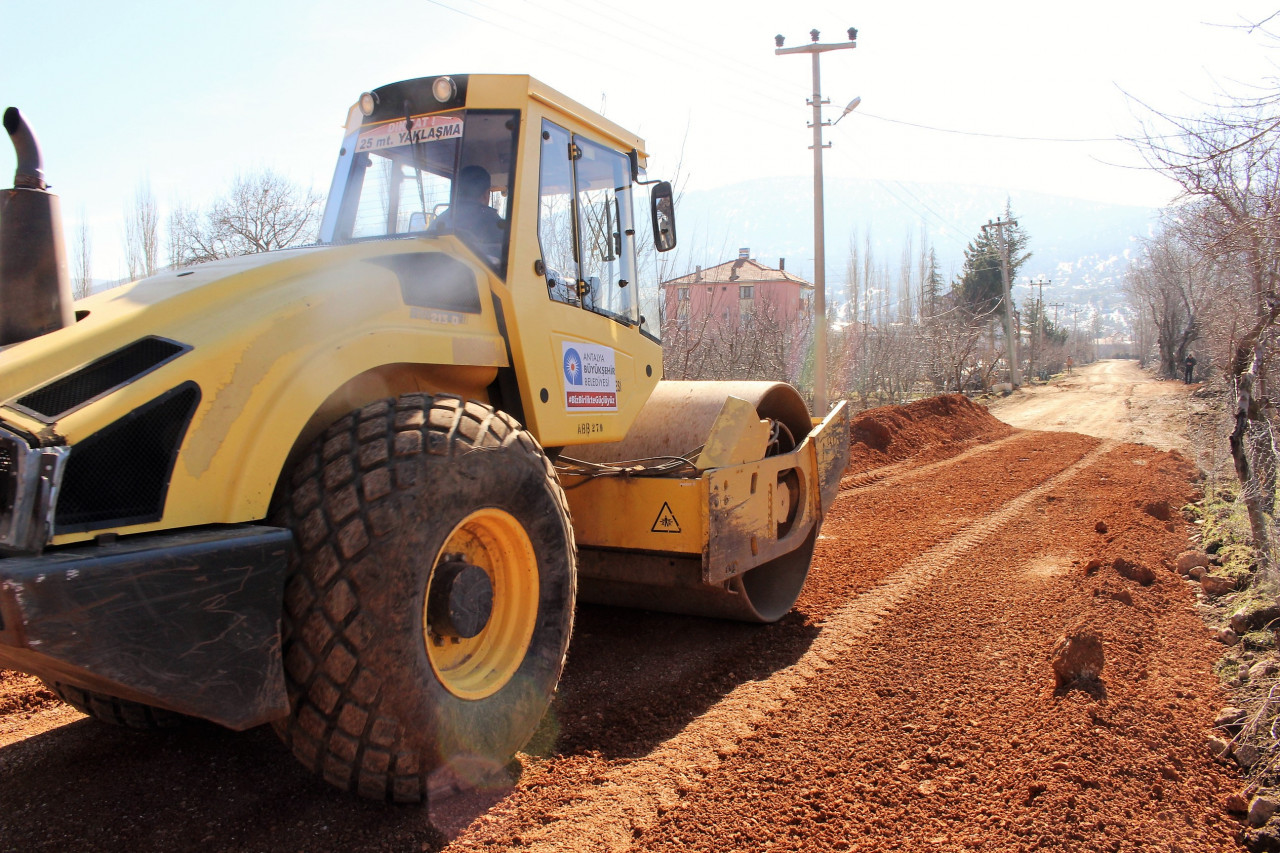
(35, 287)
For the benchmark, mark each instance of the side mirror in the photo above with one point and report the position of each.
(663, 209)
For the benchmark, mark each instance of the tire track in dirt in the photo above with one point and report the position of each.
(623, 802)
(908, 469)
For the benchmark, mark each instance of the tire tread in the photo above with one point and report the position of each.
(336, 505)
(115, 711)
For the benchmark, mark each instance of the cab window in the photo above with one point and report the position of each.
(555, 214)
(448, 173)
(606, 230)
(586, 226)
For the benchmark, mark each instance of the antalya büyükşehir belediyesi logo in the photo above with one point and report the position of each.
(590, 377)
(572, 367)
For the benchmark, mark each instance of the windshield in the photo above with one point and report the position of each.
(447, 173)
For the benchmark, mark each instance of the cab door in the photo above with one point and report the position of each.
(590, 369)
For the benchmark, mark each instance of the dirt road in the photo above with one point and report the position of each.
(1112, 399)
(907, 703)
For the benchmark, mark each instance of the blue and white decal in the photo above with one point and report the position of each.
(590, 380)
(572, 366)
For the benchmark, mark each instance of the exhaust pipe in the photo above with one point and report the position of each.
(35, 286)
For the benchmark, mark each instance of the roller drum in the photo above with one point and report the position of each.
(675, 421)
(678, 416)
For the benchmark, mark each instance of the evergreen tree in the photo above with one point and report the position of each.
(981, 288)
(932, 286)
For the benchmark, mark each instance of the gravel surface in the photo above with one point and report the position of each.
(908, 702)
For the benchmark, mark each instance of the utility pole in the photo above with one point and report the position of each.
(1015, 378)
(1037, 348)
(1075, 335)
(819, 231)
(1055, 306)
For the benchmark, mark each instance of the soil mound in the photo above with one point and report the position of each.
(892, 433)
(21, 693)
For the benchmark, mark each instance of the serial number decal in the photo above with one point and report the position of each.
(590, 428)
(447, 318)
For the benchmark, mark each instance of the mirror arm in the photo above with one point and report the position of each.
(634, 156)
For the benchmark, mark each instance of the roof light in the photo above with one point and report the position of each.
(368, 102)
(444, 89)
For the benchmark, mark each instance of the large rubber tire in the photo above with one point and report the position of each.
(381, 703)
(117, 712)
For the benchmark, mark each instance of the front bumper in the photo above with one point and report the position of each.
(188, 621)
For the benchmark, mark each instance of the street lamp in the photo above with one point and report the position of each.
(814, 49)
(853, 105)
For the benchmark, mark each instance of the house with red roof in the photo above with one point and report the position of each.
(735, 293)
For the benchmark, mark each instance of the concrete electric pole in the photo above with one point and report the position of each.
(1015, 378)
(819, 236)
(1037, 343)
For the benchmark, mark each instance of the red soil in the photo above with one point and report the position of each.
(907, 703)
(921, 429)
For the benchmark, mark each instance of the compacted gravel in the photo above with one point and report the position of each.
(907, 703)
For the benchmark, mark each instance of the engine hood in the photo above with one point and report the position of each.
(286, 300)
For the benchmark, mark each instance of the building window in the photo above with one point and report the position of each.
(746, 303)
(682, 294)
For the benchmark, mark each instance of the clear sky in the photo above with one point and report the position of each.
(185, 95)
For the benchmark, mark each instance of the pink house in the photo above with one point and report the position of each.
(738, 294)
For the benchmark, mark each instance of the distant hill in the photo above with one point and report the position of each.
(1082, 247)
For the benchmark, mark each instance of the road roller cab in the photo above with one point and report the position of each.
(370, 478)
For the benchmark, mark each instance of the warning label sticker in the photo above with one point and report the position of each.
(395, 134)
(666, 521)
(590, 383)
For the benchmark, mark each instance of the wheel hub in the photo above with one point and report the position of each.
(461, 599)
(480, 605)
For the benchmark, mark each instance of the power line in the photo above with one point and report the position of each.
(990, 135)
(946, 223)
(952, 232)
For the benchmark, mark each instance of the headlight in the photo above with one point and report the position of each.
(29, 480)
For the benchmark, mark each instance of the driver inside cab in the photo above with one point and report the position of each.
(470, 216)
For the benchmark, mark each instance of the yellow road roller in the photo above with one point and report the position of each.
(355, 489)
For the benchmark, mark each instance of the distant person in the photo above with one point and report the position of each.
(470, 215)
(1070, 364)
(1189, 366)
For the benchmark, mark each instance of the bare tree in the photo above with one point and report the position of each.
(141, 233)
(1170, 280)
(765, 344)
(83, 279)
(1228, 165)
(261, 211)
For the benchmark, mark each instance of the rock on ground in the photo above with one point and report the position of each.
(1077, 657)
